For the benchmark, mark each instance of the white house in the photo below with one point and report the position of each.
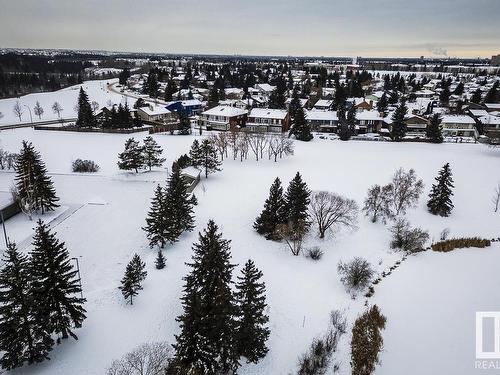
(459, 126)
(268, 120)
(223, 118)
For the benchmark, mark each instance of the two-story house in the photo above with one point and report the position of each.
(268, 120)
(223, 118)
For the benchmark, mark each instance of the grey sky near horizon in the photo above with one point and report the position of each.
(462, 28)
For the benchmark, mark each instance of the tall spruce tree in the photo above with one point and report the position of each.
(206, 343)
(132, 156)
(297, 198)
(209, 158)
(383, 103)
(155, 219)
(273, 212)
(195, 154)
(181, 204)
(32, 182)
(433, 131)
(398, 128)
(343, 130)
(152, 153)
(300, 128)
(23, 337)
(135, 274)
(56, 287)
(85, 117)
(130, 285)
(251, 331)
(440, 197)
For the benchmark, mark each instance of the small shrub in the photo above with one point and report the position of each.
(460, 243)
(406, 238)
(315, 253)
(84, 166)
(356, 274)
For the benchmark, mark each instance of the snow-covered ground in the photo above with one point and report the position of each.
(431, 296)
(67, 98)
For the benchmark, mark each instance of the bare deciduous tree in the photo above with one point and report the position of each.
(147, 359)
(406, 190)
(377, 203)
(95, 106)
(496, 198)
(329, 210)
(38, 110)
(18, 110)
(56, 108)
(293, 235)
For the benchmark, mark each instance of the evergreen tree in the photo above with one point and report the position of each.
(459, 90)
(155, 226)
(343, 129)
(277, 98)
(433, 131)
(124, 76)
(476, 96)
(170, 90)
(440, 197)
(32, 182)
(195, 154)
(493, 95)
(300, 128)
(209, 158)
(351, 120)
(56, 288)
(206, 343)
(132, 156)
(139, 268)
(251, 331)
(152, 153)
(181, 204)
(85, 117)
(130, 285)
(273, 212)
(160, 261)
(294, 104)
(383, 103)
(398, 128)
(297, 198)
(213, 97)
(23, 338)
(184, 124)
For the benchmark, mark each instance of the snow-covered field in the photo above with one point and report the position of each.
(429, 301)
(67, 98)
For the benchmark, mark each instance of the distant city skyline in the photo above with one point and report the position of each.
(381, 28)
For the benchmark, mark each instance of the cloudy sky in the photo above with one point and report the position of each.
(464, 28)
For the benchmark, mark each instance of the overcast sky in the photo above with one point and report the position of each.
(464, 28)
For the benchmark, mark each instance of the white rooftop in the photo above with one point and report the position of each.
(268, 113)
(225, 111)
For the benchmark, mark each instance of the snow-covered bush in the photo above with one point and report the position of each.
(147, 359)
(315, 253)
(356, 274)
(406, 238)
(80, 166)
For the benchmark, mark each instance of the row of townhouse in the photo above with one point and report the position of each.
(258, 119)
